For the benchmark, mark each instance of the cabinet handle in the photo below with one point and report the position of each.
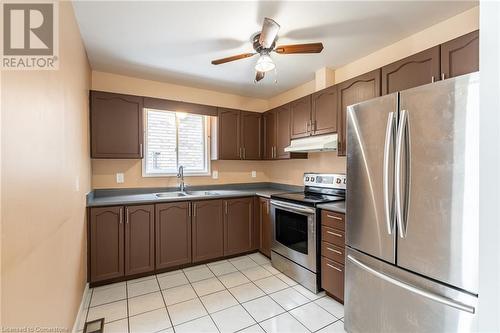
(443, 76)
(334, 217)
(194, 209)
(244, 153)
(121, 215)
(126, 215)
(338, 269)
(307, 127)
(189, 209)
(432, 79)
(333, 250)
(225, 204)
(333, 233)
(141, 150)
(274, 152)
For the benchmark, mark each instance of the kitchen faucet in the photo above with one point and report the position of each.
(180, 174)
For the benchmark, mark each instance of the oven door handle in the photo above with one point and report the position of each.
(293, 208)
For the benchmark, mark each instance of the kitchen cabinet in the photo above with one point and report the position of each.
(300, 117)
(106, 235)
(116, 129)
(251, 135)
(269, 119)
(229, 145)
(355, 90)
(412, 71)
(265, 226)
(324, 111)
(460, 55)
(207, 230)
(333, 253)
(173, 234)
(238, 225)
(139, 239)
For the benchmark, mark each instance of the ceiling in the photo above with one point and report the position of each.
(175, 41)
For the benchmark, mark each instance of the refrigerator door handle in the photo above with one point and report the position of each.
(386, 177)
(397, 173)
(414, 289)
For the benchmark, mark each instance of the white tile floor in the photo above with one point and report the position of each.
(243, 294)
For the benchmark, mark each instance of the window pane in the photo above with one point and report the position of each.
(192, 142)
(161, 142)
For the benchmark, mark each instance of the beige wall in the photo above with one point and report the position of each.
(289, 172)
(45, 150)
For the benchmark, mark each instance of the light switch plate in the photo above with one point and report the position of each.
(215, 174)
(254, 174)
(120, 178)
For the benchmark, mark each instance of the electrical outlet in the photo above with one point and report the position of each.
(120, 178)
(215, 174)
(254, 174)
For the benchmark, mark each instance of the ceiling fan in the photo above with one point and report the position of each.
(264, 43)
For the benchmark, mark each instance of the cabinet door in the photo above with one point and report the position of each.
(229, 134)
(269, 134)
(413, 71)
(116, 129)
(265, 227)
(208, 230)
(238, 225)
(106, 243)
(460, 55)
(282, 131)
(300, 111)
(332, 278)
(251, 135)
(139, 239)
(173, 234)
(355, 90)
(324, 111)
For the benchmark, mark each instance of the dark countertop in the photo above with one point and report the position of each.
(338, 206)
(128, 196)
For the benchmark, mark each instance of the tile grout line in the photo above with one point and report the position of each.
(128, 312)
(165, 304)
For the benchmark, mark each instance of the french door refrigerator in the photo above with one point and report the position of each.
(412, 210)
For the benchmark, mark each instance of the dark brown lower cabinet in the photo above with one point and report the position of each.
(139, 239)
(333, 253)
(238, 225)
(173, 234)
(208, 230)
(265, 227)
(106, 243)
(332, 278)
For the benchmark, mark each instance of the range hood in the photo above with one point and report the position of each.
(313, 144)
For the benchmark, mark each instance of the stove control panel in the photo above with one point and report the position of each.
(328, 180)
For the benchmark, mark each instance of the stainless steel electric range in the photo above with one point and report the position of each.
(296, 227)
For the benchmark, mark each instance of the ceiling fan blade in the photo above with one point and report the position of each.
(259, 76)
(269, 32)
(232, 58)
(299, 48)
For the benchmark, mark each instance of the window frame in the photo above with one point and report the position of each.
(207, 138)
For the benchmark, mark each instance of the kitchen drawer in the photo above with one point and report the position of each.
(332, 278)
(333, 252)
(334, 236)
(332, 219)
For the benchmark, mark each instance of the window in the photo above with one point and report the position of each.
(174, 139)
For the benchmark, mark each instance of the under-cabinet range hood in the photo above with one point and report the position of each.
(313, 144)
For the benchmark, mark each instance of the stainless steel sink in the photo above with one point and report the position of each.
(199, 193)
(172, 194)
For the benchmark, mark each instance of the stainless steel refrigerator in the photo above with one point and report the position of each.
(412, 210)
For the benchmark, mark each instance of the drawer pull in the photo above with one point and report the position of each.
(334, 217)
(338, 269)
(333, 250)
(333, 233)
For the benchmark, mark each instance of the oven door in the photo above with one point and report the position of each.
(294, 233)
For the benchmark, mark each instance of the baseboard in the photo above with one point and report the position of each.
(80, 309)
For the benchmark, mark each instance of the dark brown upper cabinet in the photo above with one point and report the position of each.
(300, 112)
(229, 145)
(282, 130)
(269, 119)
(208, 230)
(413, 71)
(139, 239)
(355, 90)
(173, 234)
(460, 55)
(324, 111)
(106, 243)
(265, 224)
(238, 225)
(251, 135)
(116, 129)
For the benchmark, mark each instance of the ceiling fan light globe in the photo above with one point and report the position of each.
(264, 64)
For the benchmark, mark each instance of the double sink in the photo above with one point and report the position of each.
(181, 194)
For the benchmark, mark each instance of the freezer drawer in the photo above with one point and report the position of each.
(383, 298)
